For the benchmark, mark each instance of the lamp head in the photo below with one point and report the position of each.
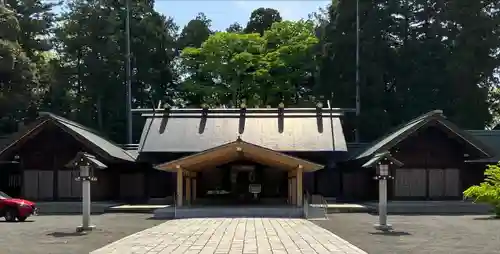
(383, 169)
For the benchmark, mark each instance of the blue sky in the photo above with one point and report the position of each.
(225, 12)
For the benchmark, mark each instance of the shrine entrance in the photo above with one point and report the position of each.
(239, 173)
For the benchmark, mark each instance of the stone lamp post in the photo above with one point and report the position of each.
(86, 163)
(382, 162)
(382, 177)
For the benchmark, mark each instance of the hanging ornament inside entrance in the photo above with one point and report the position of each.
(251, 176)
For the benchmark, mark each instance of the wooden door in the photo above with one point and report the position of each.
(30, 188)
(444, 183)
(68, 187)
(452, 182)
(436, 183)
(39, 184)
(410, 183)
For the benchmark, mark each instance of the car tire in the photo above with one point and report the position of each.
(22, 218)
(10, 214)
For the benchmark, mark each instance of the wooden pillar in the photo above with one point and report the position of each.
(188, 190)
(179, 186)
(194, 189)
(300, 194)
(289, 191)
(294, 191)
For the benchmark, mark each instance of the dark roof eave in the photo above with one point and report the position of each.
(488, 160)
(418, 123)
(379, 157)
(88, 158)
(61, 122)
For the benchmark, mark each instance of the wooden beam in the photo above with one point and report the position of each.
(194, 189)
(188, 191)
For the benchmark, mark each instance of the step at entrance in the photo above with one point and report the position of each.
(228, 212)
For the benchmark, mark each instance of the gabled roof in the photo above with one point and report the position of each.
(82, 133)
(490, 138)
(403, 131)
(85, 159)
(236, 150)
(380, 157)
(286, 130)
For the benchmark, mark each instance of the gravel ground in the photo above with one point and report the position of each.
(418, 234)
(56, 234)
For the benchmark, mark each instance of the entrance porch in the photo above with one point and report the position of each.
(239, 173)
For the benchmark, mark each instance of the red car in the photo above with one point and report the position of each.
(15, 208)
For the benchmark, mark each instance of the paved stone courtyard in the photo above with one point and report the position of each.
(238, 235)
(55, 234)
(419, 234)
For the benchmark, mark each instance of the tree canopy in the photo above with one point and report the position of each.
(415, 56)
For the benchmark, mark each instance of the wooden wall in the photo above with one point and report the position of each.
(433, 165)
(43, 160)
(434, 168)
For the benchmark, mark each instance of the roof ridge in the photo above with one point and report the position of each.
(413, 120)
(429, 114)
(434, 112)
(79, 125)
(64, 119)
(85, 128)
(483, 131)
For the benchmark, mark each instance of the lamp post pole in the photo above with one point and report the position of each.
(85, 178)
(358, 89)
(382, 177)
(128, 74)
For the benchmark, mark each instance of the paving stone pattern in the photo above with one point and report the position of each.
(238, 235)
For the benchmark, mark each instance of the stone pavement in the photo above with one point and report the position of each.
(238, 235)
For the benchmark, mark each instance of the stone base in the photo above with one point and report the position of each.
(83, 229)
(383, 228)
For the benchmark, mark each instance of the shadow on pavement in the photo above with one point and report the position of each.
(487, 218)
(391, 233)
(27, 221)
(158, 219)
(66, 234)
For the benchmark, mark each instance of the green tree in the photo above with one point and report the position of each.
(261, 20)
(18, 74)
(234, 28)
(488, 191)
(92, 42)
(415, 56)
(195, 32)
(494, 102)
(336, 58)
(472, 61)
(261, 70)
(291, 63)
(221, 68)
(36, 23)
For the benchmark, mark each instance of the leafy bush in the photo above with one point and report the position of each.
(488, 191)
